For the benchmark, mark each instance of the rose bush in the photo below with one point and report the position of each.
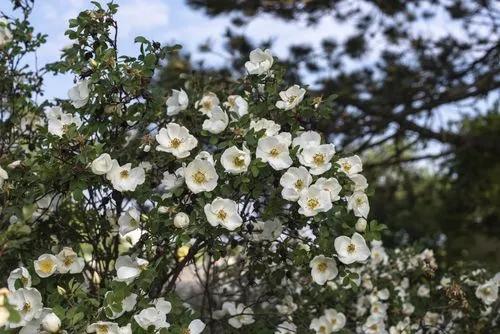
(213, 207)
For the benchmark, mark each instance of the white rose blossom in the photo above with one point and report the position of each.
(240, 315)
(154, 316)
(129, 221)
(177, 102)
(223, 212)
(69, 262)
(51, 323)
(270, 127)
(331, 185)
(207, 104)
(181, 220)
(200, 175)
(351, 165)
(260, 62)
(487, 292)
(337, 319)
(128, 268)
(321, 325)
(286, 327)
(79, 94)
(323, 269)
(294, 181)
(46, 265)
(291, 97)
(317, 157)
(176, 139)
(3, 176)
(217, 121)
(58, 121)
(313, 201)
(20, 275)
(350, 250)
(358, 203)
(28, 302)
(237, 104)
(5, 34)
(274, 150)
(236, 161)
(125, 178)
(102, 164)
(307, 138)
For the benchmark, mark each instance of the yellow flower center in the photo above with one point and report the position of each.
(26, 307)
(319, 159)
(333, 321)
(24, 280)
(351, 248)
(185, 331)
(312, 203)
(359, 200)
(207, 104)
(239, 161)
(124, 174)
(299, 184)
(222, 215)
(102, 329)
(46, 265)
(175, 143)
(346, 166)
(69, 260)
(199, 177)
(292, 99)
(322, 266)
(274, 152)
(322, 329)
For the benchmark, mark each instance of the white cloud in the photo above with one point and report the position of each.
(139, 16)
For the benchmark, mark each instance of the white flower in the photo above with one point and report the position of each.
(240, 315)
(286, 328)
(172, 181)
(360, 182)
(46, 265)
(3, 176)
(128, 303)
(488, 292)
(287, 306)
(331, 185)
(274, 150)
(260, 62)
(423, 291)
(317, 157)
(154, 316)
(237, 104)
(176, 139)
(374, 325)
(181, 220)
(294, 181)
(223, 212)
(323, 269)
(128, 268)
(358, 203)
(79, 94)
(351, 250)
(69, 262)
(5, 34)
(321, 325)
(59, 121)
(177, 102)
(28, 302)
(307, 138)
(235, 161)
(195, 327)
(361, 225)
(200, 176)
(291, 97)
(217, 121)
(270, 127)
(102, 164)
(336, 319)
(51, 323)
(207, 104)
(351, 165)
(313, 201)
(104, 327)
(20, 275)
(125, 178)
(129, 221)
(267, 230)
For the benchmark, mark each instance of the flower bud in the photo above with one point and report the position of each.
(361, 225)
(182, 252)
(51, 323)
(181, 220)
(61, 290)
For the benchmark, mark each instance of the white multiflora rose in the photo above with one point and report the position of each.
(28, 302)
(155, 316)
(126, 178)
(176, 139)
(331, 185)
(360, 182)
(240, 315)
(351, 165)
(129, 221)
(314, 200)
(51, 323)
(323, 269)
(5, 34)
(337, 319)
(216, 122)
(58, 121)
(181, 220)
(350, 250)
(236, 161)
(195, 327)
(128, 303)
(358, 203)
(286, 327)
(274, 150)
(307, 138)
(223, 212)
(207, 104)
(321, 325)
(102, 164)
(177, 102)
(291, 97)
(237, 104)
(172, 181)
(3, 176)
(79, 94)
(128, 268)
(488, 292)
(69, 262)
(20, 276)
(260, 62)
(271, 128)
(200, 175)
(104, 327)
(294, 181)
(46, 265)
(317, 157)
